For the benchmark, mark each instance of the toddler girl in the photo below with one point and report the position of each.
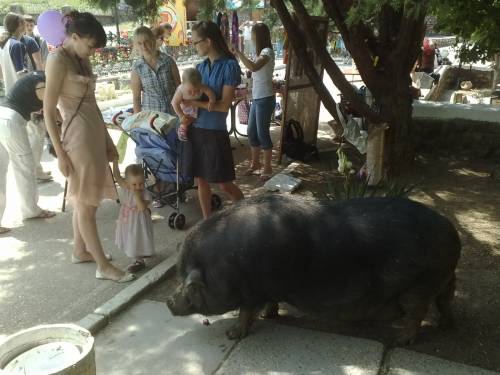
(134, 229)
(190, 89)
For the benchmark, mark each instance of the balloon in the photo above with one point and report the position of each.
(51, 27)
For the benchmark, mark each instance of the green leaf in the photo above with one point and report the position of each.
(121, 147)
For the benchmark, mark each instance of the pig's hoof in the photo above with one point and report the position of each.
(236, 332)
(405, 338)
(446, 323)
(270, 311)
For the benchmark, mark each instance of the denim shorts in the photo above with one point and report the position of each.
(259, 122)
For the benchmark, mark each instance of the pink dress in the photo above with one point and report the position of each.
(134, 229)
(86, 140)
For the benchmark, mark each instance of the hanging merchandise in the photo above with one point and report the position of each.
(235, 30)
(224, 27)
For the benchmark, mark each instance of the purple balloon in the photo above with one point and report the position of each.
(51, 27)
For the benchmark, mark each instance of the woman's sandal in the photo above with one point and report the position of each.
(137, 266)
(124, 279)
(76, 260)
(4, 230)
(43, 215)
(251, 171)
(265, 176)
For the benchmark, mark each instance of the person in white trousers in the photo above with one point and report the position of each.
(36, 127)
(25, 97)
(15, 48)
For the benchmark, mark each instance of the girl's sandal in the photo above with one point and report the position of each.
(251, 171)
(137, 266)
(4, 230)
(265, 176)
(157, 203)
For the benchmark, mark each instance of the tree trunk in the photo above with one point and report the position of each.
(396, 107)
(496, 72)
(117, 22)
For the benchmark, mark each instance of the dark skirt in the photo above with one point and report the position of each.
(207, 154)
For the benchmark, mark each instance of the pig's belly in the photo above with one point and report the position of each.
(349, 305)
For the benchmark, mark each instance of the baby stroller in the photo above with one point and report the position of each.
(158, 148)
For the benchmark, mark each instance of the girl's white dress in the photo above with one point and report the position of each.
(134, 229)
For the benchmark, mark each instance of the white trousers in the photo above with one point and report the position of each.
(36, 136)
(15, 148)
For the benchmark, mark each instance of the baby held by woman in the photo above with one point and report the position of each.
(190, 89)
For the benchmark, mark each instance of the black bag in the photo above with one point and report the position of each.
(293, 143)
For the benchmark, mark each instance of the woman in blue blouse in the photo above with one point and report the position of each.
(208, 155)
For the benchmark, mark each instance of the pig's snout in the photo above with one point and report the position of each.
(179, 305)
(170, 304)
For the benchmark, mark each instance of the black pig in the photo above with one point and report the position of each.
(360, 259)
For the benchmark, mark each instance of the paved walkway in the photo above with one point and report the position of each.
(147, 339)
(38, 282)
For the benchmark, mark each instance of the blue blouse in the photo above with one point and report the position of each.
(224, 72)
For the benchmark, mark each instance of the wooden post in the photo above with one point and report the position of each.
(375, 154)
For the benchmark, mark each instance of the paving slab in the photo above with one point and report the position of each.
(405, 362)
(147, 339)
(277, 349)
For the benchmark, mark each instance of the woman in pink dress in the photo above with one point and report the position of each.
(84, 149)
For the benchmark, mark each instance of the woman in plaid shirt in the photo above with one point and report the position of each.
(154, 76)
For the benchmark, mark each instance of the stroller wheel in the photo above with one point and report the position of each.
(216, 202)
(171, 220)
(179, 221)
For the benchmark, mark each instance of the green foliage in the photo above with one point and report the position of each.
(207, 9)
(367, 11)
(39, 6)
(351, 187)
(476, 22)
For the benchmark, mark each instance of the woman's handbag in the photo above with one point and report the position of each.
(243, 111)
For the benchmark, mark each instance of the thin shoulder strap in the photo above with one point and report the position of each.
(82, 71)
(76, 112)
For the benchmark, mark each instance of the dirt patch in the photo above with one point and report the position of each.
(463, 191)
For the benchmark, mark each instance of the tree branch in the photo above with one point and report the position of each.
(361, 45)
(338, 78)
(410, 31)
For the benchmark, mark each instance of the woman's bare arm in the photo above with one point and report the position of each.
(55, 72)
(118, 177)
(222, 105)
(210, 95)
(176, 74)
(253, 66)
(136, 86)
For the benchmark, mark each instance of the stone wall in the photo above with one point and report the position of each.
(452, 76)
(458, 136)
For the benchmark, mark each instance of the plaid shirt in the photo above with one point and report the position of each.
(158, 88)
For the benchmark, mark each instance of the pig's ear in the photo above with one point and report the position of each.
(194, 289)
(194, 278)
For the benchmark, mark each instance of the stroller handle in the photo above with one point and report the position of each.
(114, 120)
(151, 122)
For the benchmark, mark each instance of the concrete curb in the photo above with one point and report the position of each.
(101, 316)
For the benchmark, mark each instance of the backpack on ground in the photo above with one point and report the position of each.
(293, 143)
